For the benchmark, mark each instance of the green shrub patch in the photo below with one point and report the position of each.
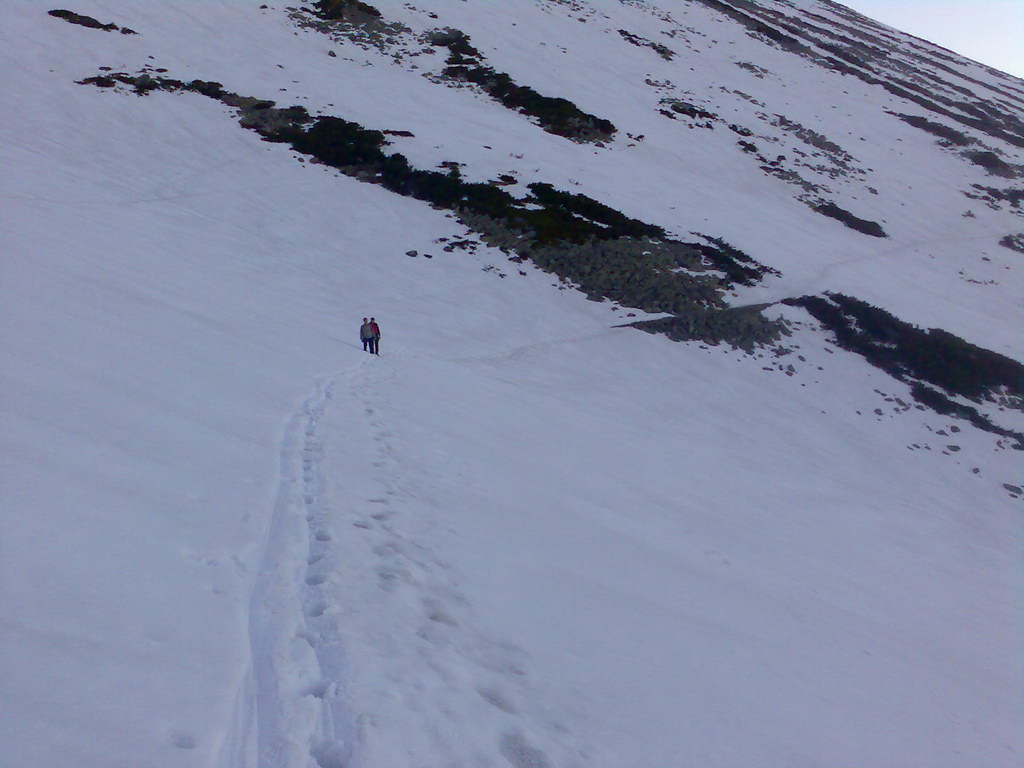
(88, 21)
(738, 266)
(1011, 196)
(642, 42)
(936, 364)
(944, 132)
(345, 10)
(1013, 242)
(992, 163)
(864, 226)
(555, 115)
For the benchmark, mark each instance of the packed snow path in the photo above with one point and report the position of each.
(297, 659)
(379, 592)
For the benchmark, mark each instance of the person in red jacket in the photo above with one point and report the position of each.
(375, 329)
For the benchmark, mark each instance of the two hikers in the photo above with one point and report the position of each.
(369, 334)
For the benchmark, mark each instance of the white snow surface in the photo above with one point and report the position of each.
(521, 536)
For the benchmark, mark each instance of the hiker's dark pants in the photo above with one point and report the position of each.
(368, 346)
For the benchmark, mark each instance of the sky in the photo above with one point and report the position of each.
(988, 31)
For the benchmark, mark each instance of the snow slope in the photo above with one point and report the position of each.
(521, 536)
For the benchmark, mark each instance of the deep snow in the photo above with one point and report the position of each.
(521, 536)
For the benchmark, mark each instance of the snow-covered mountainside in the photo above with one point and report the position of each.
(695, 437)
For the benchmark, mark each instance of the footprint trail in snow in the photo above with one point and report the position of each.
(366, 652)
